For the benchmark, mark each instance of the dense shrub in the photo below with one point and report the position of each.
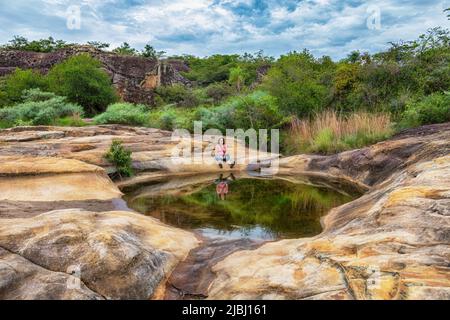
(181, 95)
(297, 80)
(39, 108)
(123, 113)
(434, 108)
(217, 92)
(81, 79)
(120, 158)
(71, 121)
(257, 110)
(20, 80)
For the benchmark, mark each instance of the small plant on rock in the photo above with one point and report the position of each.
(121, 158)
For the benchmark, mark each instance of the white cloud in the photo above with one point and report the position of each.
(204, 27)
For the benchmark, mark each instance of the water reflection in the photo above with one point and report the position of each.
(222, 185)
(239, 208)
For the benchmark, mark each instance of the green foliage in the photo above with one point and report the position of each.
(434, 108)
(98, 45)
(39, 108)
(257, 110)
(181, 95)
(71, 121)
(120, 158)
(211, 69)
(217, 92)
(42, 45)
(123, 113)
(297, 80)
(217, 68)
(237, 77)
(150, 52)
(18, 81)
(81, 79)
(126, 50)
(324, 141)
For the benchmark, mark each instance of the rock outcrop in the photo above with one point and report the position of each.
(61, 216)
(152, 149)
(117, 255)
(65, 233)
(60, 212)
(135, 78)
(392, 243)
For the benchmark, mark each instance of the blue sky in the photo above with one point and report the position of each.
(204, 27)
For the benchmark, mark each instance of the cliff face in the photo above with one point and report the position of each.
(135, 78)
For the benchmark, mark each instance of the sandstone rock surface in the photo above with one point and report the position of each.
(60, 215)
(118, 255)
(59, 212)
(392, 243)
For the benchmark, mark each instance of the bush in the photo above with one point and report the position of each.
(257, 110)
(72, 121)
(123, 113)
(297, 80)
(120, 158)
(181, 96)
(18, 81)
(434, 108)
(217, 92)
(81, 79)
(35, 110)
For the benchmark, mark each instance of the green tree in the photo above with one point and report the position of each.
(42, 45)
(237, 77)
(125, 49)
(300, 83)
(150, 52)
(98, 45)
(81, 79)
(215, 68)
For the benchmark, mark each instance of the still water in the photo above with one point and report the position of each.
(230, 207)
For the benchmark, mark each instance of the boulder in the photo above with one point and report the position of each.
(114, 255)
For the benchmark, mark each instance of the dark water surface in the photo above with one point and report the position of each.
(224, 206)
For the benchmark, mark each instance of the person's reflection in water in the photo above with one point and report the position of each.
(222, 185)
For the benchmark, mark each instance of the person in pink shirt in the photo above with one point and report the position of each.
(221, 155)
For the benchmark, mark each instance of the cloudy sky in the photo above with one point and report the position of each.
(204, 27)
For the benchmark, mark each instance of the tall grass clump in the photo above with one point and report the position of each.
(330, 132)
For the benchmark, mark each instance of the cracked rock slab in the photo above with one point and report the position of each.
(118, 255)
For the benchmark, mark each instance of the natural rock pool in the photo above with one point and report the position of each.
(231, 213)
(231, 207)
